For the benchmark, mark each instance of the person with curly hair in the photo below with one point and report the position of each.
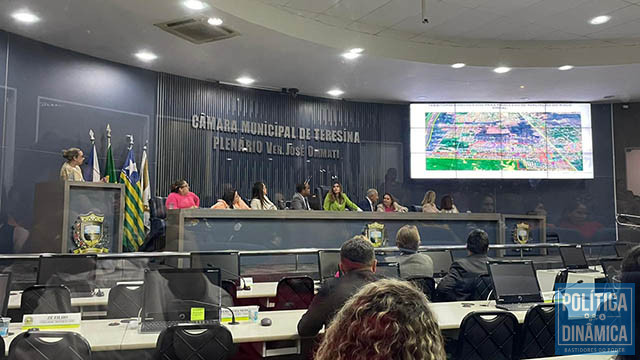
(387, 319)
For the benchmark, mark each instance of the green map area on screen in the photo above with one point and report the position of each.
(512, 141)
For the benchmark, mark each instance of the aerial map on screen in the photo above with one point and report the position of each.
(501, 141)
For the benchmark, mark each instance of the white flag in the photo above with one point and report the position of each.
(145, 188)
(95, 167)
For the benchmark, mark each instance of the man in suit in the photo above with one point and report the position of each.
(458, 284)
(300, 199)
(370, 201)
(412, 264)
(358, 265)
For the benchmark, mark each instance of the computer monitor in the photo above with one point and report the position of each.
(170, 294)
(77, 272)
(573, 257)
(612, 268)
(442, 261)
(388, 269)
(5, 289)
(328, 261)
(227, 261)
(514, 282)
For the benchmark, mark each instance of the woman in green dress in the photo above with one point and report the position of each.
(336, 200)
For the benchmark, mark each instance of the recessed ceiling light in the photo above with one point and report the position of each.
(351, 55)
(521, 86)
(215, 21)
(194, 4)
(25, 16)
(565, 67)
(502, 69)
(458, 65)
(146, 56)
(356, 50)
(245, 80)
(599, 20)
(335, 92)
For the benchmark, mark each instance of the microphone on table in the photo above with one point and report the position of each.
(566, 286)
(241, 282)
(183, 316)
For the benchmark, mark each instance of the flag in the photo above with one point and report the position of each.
(145, 188)
(133, 218)
(110, 168)
(92, 171)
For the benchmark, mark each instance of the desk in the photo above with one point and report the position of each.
(16, 297)
(547, 277)
(259, 290)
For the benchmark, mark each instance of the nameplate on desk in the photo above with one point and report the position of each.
(242, 313)
(51, 321)
(248, 282)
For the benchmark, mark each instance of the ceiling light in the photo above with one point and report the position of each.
(565, 67)
(245, 80)
(194, 4)
(609, 97)
(146, 56)
(599, 20)
(356, 50)
(335, 92)
(25, 17)
(502, 69)
(215, 21)
(521, 86)
(350, 55)
(458, 65)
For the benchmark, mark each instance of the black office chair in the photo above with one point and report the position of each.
(294, 293)
(46, 299)
(482, 288)
(195, 342)
(561, 279)
(231, 288)
(49, 345)
(538, 333)
(487, 336)
(157, 235)
(425, 284)
(125, 301)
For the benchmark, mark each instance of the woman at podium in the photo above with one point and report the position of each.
(181, 197)
(336, 200)
(71, 168)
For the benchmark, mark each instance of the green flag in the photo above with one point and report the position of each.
(110, 168)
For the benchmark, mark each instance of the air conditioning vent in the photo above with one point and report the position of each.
(197, 30)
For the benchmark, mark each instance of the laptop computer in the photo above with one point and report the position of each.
(612, 268)
(180, 296)
(515, 284)
(5, 289)
(574, 260)
(77, 272)
(328, 264)
(388, 269)
(227, 261)
(442, 261)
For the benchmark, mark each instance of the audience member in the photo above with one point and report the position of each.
(457, 285)
(70, 170)
(336, 200)
(180, 196)
(370, 201)
(575, 217)
(259, 199)
(412, 264)
(231, 200)
(630, 274)
(385, 320)
(429, 202)
(488, 204)
(447, 205)
(358, 266)
(300, 200)
(389, 204)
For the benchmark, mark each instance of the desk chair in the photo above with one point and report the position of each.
(482, 288)
(425, 284)
(125, 301)
(487, 336)
(538, 333)
(195, 342)
(46, 299)
(294, 293)
(231, 288)
(31, 345)
(561, 279)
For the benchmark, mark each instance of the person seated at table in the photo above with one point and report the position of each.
(70, 170)
(412, 264)
(429, 202)
(231, 200)
(447, 205)
(336, 200)
(180, 196)
(387, 319)
(630, 274)
(259, 199)
(358, 266)
(389, 204)
(300, 200)
(370, 201)
(458, 284)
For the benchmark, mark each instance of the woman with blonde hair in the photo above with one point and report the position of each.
(388, 319)
(71, 168)
(429, 202)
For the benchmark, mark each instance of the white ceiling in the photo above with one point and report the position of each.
(283, 49)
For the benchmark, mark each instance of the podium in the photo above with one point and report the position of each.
(77, 217)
